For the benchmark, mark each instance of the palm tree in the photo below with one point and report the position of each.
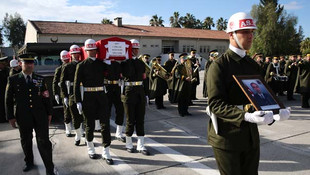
(157, 21)
(188, 21)
(208, 23)
(175, 20)
(305, 46)
(221, 24)
(106, 21)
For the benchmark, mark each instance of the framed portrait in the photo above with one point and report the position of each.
(259, 93)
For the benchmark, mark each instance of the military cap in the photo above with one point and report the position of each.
(146, 55)
(3, 58)
(193, 50)
(212, 52)
(158, 56)
(28, 57)
(183, 55)
(275, 58)
(171, 52)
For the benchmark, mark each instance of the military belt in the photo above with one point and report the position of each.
(133, 83)
(111, 82)
(93, 89)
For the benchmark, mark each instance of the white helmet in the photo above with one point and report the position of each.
(64, 55)
(240, 21)
(135, 44)
(90, 44)
(14, 63)
(75, 49)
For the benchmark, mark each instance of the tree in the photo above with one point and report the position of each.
(276, 33)
(14, 29)
(1, 37)
(157, 21)
(305, 46)
(188, 21)
(208, 23)
(221, 24)
(106, 21)
(175, 20)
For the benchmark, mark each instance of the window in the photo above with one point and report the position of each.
(144, 45)
(152, 45)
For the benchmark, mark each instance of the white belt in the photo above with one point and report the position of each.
(111, 82)
(134, 83)
(93, 89)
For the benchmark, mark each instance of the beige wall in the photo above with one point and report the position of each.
(31, 33)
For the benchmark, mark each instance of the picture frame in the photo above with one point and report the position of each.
(259, 93)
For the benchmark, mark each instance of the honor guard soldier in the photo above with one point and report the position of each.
(112, 84)
(33, 112)
(159, 85)
(170, 66)
(66, 85)
(212, 56)
(92, 100)
(184, 76)
(15, 67)
(4, 73)
(195, 66)
(236, 144)
(304, 81)
(134, 99)
(290, 71)
(65, 58)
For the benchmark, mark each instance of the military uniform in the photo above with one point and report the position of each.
(13, 71)
(235, 137)
(66, 83)
(204, 88)
(291, 72)
(195, 75)
(56, 91)
(269, 78)
(33, 107)
(134, 96)
(182, 90)
(158, 89)
(169, 65)
(4, 73)
(90, 73)
(303, 81)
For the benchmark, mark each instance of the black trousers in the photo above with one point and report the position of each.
(134, 108)
(305, 99)
(2, 108)
(77, 119)
(67, 114)
(159, 101)
(114, 98)
(232, 162)
(193, 91)
(95, 106)
(290, 89)
(183, 104)
(42, 137)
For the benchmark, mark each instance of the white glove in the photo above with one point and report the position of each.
(259, 117)
(147, 100)
(79, 107)
(57, 98)
(284, 114)
(108, 62)
(66, 101)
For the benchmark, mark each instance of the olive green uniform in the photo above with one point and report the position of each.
(91, 74)
(56, 91)
(291, 72)
(204, 88)
(4, 73)
(195, 75)
(13, 71)
(169, 65)
(32, 109)
(236, 146)
(133, 97)
(158, 89)
(269, 78)
(182, 89)
(303, 80)
(114, 92)
(68, 73)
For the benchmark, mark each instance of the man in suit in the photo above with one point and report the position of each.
(261, 98)
(33, 112)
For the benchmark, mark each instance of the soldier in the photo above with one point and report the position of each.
(15, 67)
(236, 144)
(272, 72)
(93, 102)
(159, 85)
(66, 85)
(114, 97)
(212, 56)
(147, 81)
(170, 65)
(266, 64)
(65, 58)
(4, 73)
(281, 72)
(195, 66)
(304, 81)
(133, 98)
(33, 112)
(183, 74)
(291, 72)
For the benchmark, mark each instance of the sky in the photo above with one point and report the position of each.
(139, 12)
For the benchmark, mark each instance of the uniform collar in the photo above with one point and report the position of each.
(25, 75)
(92, 58)
(238, 51)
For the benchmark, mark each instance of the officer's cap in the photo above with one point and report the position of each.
(3, 58)
(193, 50)
(183, 55)
(28, 57)
(146, 55)
(171, 52)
